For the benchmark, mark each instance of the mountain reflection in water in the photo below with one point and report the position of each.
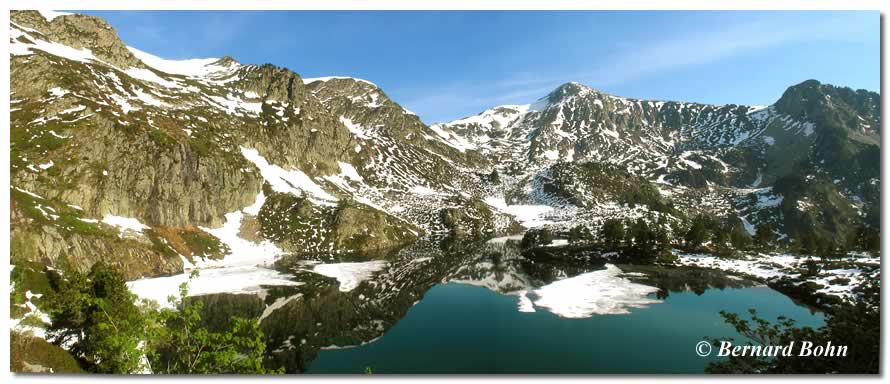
(298, 321)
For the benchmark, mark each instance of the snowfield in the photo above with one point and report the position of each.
(124, 223)
(247, 269)
(244, 279)
(771, 267)
(588, 294)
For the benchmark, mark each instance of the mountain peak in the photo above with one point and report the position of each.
(813, 100)
(811, 83)
(572, 88)
(226, 61)
(795, 99)
(185, 67)
(338, 79)
(561, 93)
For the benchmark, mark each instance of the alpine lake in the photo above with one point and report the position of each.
(456, 308)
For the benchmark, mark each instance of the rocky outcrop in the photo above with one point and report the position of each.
(79, 32)
(107, 168)
(367, 231)
(387, 129)
(293, 129)
(470, 218)
(346, 229)
(78, 248)
(135, 259)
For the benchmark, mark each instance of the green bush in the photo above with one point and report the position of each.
(183, 343)
(855, 325)
(98, 317)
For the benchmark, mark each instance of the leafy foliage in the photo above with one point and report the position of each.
(641, 237)
(97, 316)
(738, 235)
(764, 236)
(641, 240)
(184, 344)
(856, 325)
(579, 234)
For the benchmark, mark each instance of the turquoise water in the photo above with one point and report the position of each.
(467, 329)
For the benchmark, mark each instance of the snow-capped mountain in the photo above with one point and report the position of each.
(701, 157)
(118, 154)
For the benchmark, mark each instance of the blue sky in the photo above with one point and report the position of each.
(446, 65)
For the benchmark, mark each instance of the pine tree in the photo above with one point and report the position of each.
(697, 232)
(662, 237)
(738, 234)
(579, 234)
(612, 233)
(97, 316)
(643, 238)
(764, 236)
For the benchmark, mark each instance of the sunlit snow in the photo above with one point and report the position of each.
(529, 216)
(188, 67)
(328, 78)
(245, 279)
(19, 48)
(593, 293)
(293, 181)
(124, 223)
(247, 269)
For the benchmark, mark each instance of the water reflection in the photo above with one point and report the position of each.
(298, 321)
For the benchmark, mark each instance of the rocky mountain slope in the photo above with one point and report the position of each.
(571, 148)
(121, 156)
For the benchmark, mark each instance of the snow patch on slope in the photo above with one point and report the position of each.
(244, 270)
(455, 141)
(148, 75)
(188, 67)
(19, 48)
(501, 116)
(124, 223)
(293, 181)
(328, 78)
(356, 129)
